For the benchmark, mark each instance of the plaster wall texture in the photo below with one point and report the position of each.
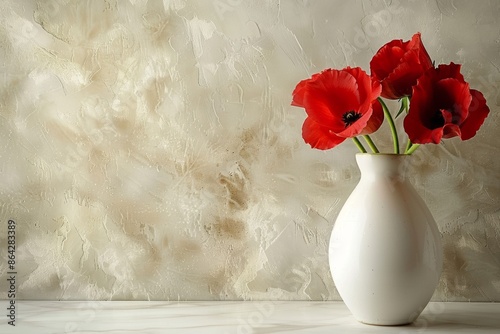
(148, 149)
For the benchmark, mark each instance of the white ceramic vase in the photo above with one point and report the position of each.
(385, 249)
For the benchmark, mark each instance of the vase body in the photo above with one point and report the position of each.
(385, 250)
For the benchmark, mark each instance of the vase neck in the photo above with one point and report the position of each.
(383, 165)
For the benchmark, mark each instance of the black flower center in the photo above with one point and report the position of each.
(440, 117)
(436, 121)
(350, 117)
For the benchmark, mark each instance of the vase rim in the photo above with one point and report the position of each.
(383, 164)
(382, 154)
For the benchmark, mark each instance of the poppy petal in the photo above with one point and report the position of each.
(376, 119)
(398, 65)
(338, 104)
(318, 136)
(300, 89)
(357, 127)
(298, 93)
(419, 124)
(443, 106)
(455, 97)
(478, 111)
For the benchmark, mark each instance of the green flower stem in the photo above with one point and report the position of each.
(412, 148)
(408, 145)
(370, 143)
(359, 145)
(394, 131)
(406, 103)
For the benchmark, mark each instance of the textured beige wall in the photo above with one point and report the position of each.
(148, 149)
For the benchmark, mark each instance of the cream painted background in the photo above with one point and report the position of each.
(148, 149)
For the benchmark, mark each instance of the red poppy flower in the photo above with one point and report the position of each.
(339, 104)
(443, 106)
(398, 65)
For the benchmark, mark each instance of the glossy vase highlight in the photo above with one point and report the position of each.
(385, 249)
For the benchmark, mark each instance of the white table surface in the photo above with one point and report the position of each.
(235, 317)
